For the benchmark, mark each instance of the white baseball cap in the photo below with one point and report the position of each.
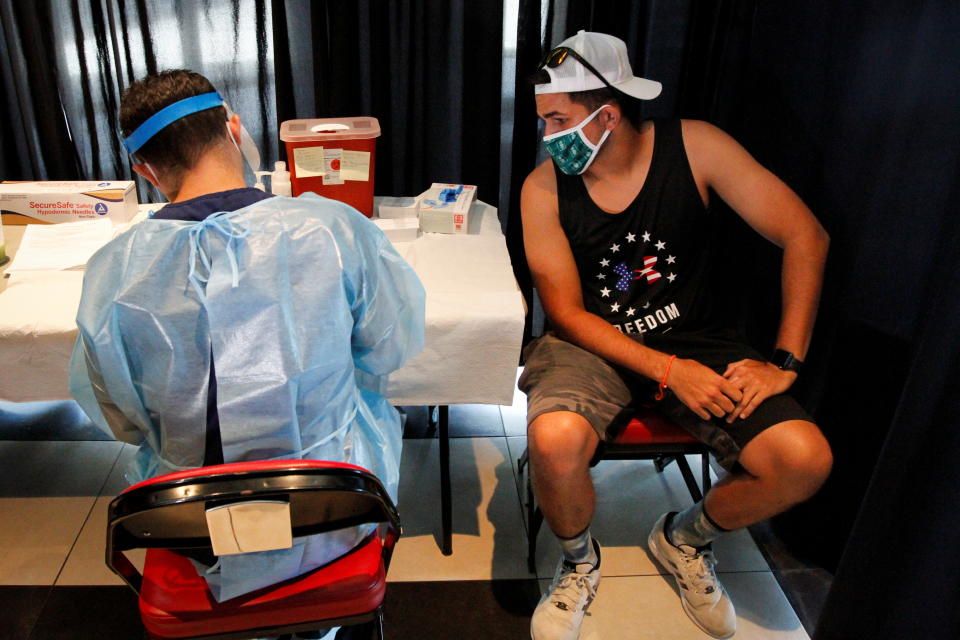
(608, 57)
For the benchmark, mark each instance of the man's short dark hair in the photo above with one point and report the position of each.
(596, 98)
(179, 145)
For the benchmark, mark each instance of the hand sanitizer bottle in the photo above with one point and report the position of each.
(280, 179)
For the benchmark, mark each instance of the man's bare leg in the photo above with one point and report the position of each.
(785, 465)
(561, 444)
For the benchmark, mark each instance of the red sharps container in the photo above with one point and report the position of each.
(333, 157)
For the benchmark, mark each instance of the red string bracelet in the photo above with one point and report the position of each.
(663, 381)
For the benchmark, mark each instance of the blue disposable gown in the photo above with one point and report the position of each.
(305, 307)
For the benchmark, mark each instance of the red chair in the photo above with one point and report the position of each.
(648, 436)
(166, 514)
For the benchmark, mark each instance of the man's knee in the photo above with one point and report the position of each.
(809, 465)
(794, 454)
(562, 441)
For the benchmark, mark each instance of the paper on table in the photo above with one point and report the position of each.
(62, 246)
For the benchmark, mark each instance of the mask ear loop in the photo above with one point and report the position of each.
(595, 147)
(247, 147)
(152, 172)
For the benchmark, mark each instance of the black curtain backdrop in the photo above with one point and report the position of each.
(524, 144)
(858, 110)
(871, 100)
(428, 70)
(32, 119)
(655, 32)
(66, 64)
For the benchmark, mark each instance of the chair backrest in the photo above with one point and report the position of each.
(169, 511)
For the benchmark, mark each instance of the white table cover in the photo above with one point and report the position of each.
(474, 323)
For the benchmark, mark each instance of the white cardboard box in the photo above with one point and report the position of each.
(67, 201)
(399, 229)
(397, 207)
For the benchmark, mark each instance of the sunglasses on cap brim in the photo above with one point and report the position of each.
(555, 58)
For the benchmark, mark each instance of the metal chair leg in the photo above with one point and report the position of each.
(446, 509)
(705, 472)
(661, 462)
(536, 520)
(433, 417)
(534, 515)
(689, 479)
(378, 625)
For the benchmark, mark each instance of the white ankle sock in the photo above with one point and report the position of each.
(693, 527)
(578, 549)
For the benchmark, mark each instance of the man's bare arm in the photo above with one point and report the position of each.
(558, 283)
(777, 213)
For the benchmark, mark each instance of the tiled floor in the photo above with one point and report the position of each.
(53, 584)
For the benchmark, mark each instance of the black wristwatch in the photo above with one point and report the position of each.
(786, 361)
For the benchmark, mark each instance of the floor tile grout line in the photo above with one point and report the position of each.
(43, 607)
(76, 538)
(503, 425)
(116, 461)
(86, 519)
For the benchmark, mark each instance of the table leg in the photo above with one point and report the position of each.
(446, 514)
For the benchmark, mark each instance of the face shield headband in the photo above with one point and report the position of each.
(183, 108)
(167, 116)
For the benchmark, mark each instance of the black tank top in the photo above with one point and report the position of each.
(645, 270)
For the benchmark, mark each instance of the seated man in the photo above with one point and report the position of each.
(260, 333)
(618, 236)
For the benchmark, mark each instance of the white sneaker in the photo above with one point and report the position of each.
(560, 612)
(704, 598)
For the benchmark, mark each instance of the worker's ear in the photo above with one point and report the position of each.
(147, 174)
(233, 128)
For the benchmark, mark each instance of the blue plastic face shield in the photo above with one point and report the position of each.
(181, 109)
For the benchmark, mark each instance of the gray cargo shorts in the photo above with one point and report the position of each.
(560, 376)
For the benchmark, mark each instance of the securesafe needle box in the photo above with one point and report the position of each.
(55, 201)
(333, 157)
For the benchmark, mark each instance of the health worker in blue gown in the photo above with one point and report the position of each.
(234, 325)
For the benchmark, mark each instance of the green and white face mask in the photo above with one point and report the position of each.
(570, 148)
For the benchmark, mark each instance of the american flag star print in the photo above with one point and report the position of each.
(649, 272)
